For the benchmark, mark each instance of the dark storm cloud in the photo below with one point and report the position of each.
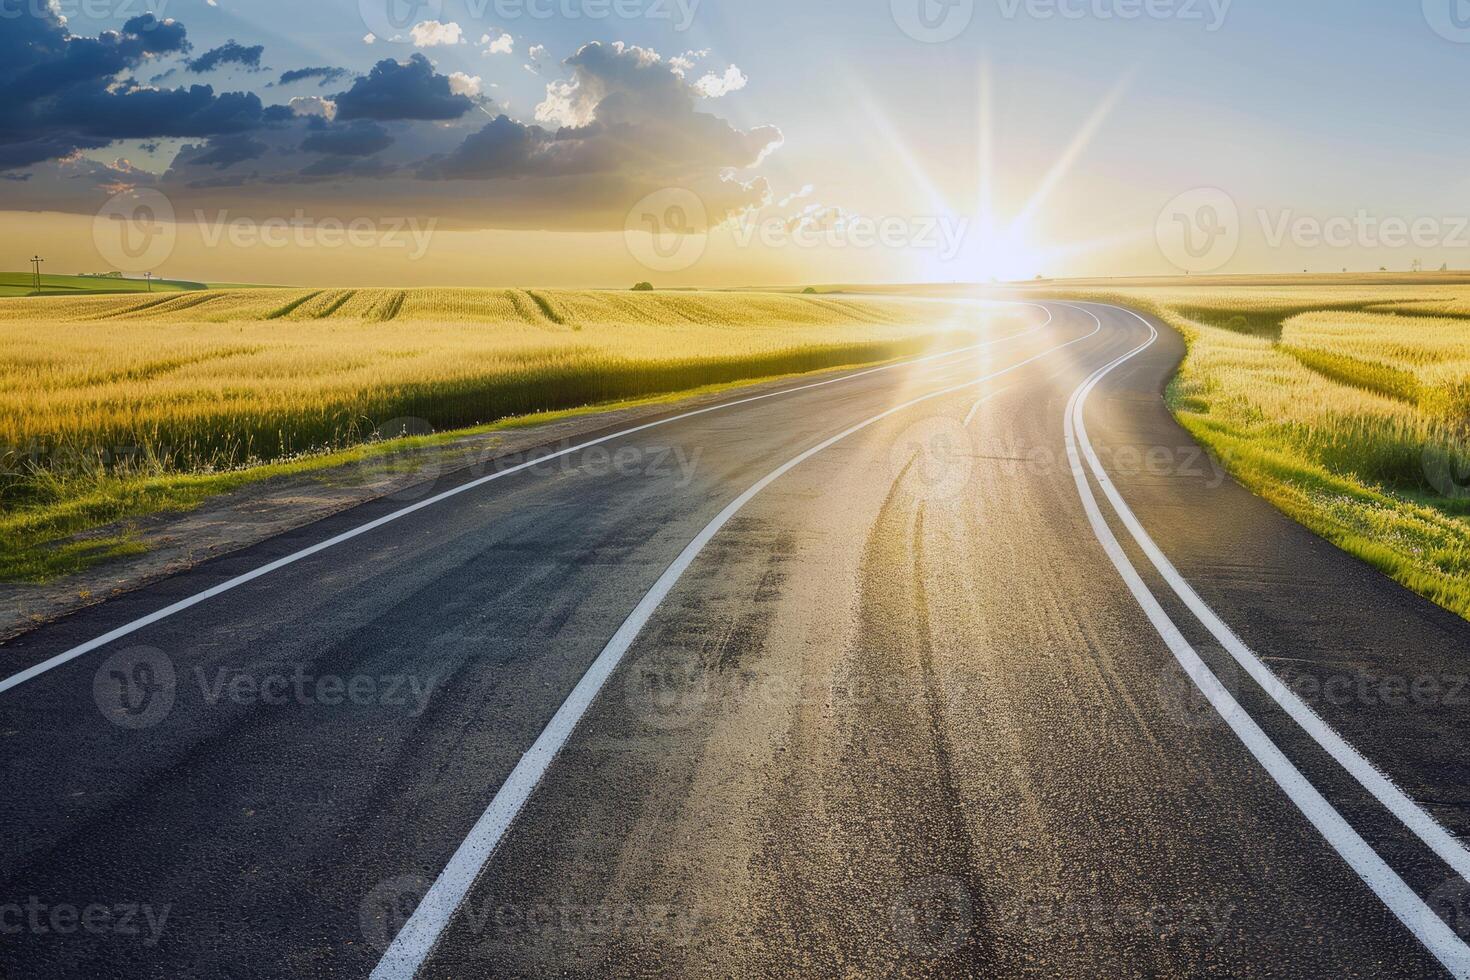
(359, 139)
(393, 91)
(325, 76)
(62, 92)
(226, 151)
(229, 53)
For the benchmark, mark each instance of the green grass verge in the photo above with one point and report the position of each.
(1350, 494)
(23, 284)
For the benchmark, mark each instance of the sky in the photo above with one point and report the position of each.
(731, 142)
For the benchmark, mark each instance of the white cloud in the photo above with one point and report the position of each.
(684, 63)
(714, 86)
(432, 34)
(800, 195)
(537, 52)
(314, 105)
(370, 38)
(504, 44)
(463, 84)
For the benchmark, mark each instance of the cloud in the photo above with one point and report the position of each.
(314, 106)
(504, 44)
(410, 90)
(369, 38)
(360, 139)
(624, 121)
(713, 86)
(431, 34)
(229, 53)
(805, 192)
(325, 76)
(226, 151)
(470, 86)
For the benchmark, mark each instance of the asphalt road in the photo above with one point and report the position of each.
(974, 666)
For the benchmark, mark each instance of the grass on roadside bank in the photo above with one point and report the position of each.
(116, 408)
(1348, 408)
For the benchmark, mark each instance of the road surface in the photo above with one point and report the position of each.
(968, 666)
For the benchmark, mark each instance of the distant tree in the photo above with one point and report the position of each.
(1383, 268)
(643, 287)
(809, 291)
(1445, 267)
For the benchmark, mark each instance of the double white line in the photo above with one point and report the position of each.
(1410, 909)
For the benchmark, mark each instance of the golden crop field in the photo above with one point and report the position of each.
(1348, 407)
(99, 393)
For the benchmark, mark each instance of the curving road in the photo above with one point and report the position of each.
(970, 665)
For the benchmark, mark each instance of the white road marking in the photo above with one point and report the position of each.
(31, 673)
(412, 945)
(975, 409)
(1406, 905)
(1375, 781)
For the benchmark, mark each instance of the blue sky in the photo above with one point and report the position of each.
(1324, 110)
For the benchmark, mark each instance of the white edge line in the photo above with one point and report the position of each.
(1402, 901)
(1375, 781)
(36, 670)
(411, 947)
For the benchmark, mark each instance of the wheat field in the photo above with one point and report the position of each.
(116, 406)
(1348, 407)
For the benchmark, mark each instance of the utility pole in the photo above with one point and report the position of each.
(149, 277)
(36, 265)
